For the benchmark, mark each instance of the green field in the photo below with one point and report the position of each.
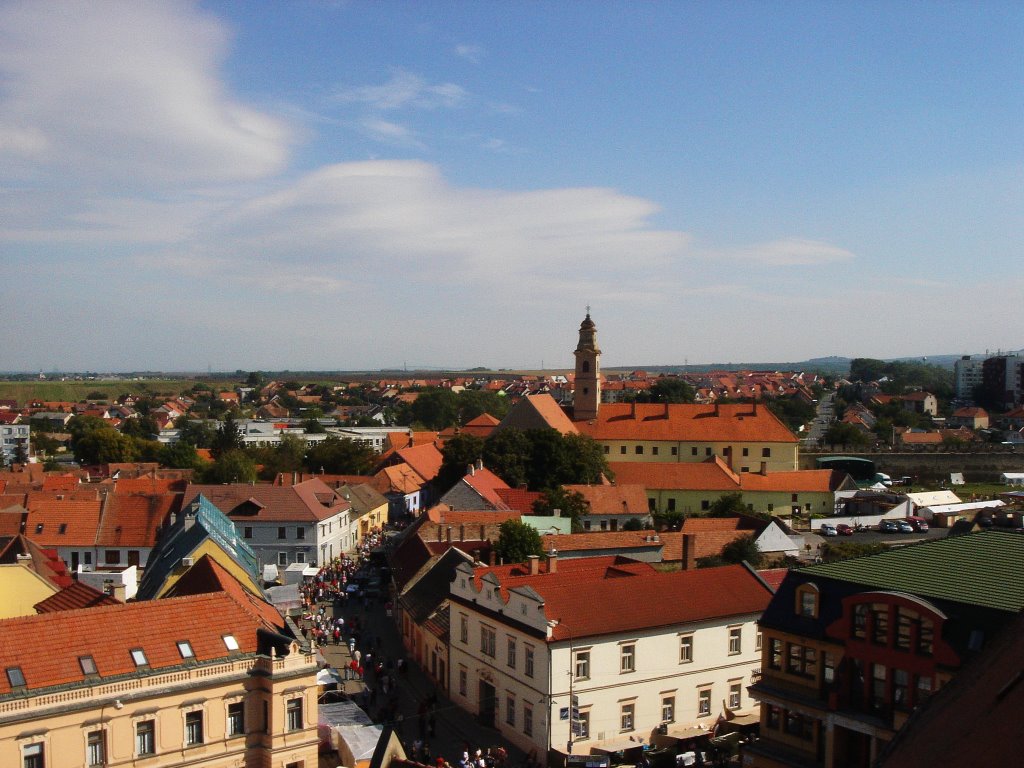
(76, 391)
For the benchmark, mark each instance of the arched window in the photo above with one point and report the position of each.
(585, 368)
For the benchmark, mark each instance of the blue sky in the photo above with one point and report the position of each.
(358, 185)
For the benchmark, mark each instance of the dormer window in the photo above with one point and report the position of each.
(185, 649)
(63, 528)
(39, 527)
(807, 601)
(88, 665)
(230, 643)
(139, 657)
(15, 677)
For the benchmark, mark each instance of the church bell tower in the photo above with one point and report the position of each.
(587, 394)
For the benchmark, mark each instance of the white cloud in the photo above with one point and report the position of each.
(388, 132)
(471, 53)
(789, 252)
(403, 90)
(126, 93)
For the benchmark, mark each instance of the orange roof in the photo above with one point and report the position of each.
(426, 459)
(402, 478)
(207, 575)
(60, 483)
(442, 515)
(538, 412)
(486, 484)
(627, 597)
(149, 485)
(599, 540)
(109, 633)
(711, 475)
(62, 522)
(75, 595)
(734, 423)
(134, 520)
(795, 481)
(621, 499)
(304, 502)
(518, 499)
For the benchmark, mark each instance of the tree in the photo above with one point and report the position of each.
(232, 466)
(289, 455)
(142, 427)
(544, 458)
(727, 505)
(436, 409)
(507, 454)
(668, 520)
(671, 390)
(743, 549)
(104, 446)
(517, 541)
(458, 452)
(844, 434)
(179, 455)
(227, 437)
(633, 524)
(339, 456)
(197, 432)
(569, 504)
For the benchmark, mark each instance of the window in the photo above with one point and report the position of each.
(236, 718)
(139, 657)
(528, 660)
(675, 450)
(300, 533)
(757, 641)
(622, 449)
(487, 641)
(775, 653)
(607, 449)
(808, 598)
(705, 505)
(774, 718)
(463, 628)
(860, 621)
(230, 643)
(901, 688)
(828, 663)
(185, 649)
(923, 688)
(511, 652)
(583, 725)
(88, 665)
(707, 451)
(527, 719)
(247, 532)
(766, 453)
(880, 631)
(111, 556)
(654, 450)
(582, 665)
(294, 712)
(798, 725)
(735, 640)
(904, 621)
(794, 498)
(626, 716)
(510, 710)
(639, 450)
(878, 685)
(668, 709)
(693, 451)
(926, 637)
(300, 557)
(193, 728)
(462, 681)
(32, 756)
(96, 748)
(672, 505)
(735, 695)
(686, 649)
(627, 658)
(282, 532)
(282, 558)
(704, 702)
(801, 660)
(145, 737)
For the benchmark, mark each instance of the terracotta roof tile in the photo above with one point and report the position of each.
(75, 595)
(733, 423)
(620, 499)
(301, 502)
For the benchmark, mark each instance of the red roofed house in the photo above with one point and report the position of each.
(478, 489)
(203, 680)
(635, 648)
(609, 507)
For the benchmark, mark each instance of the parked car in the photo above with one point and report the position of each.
(919, 523)
(828, 530)
(844, 530)
(888, 526)
(904, 527)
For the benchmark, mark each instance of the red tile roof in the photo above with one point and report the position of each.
(425, 459)
(628, 597)
(733, 423)
(134, 520)
(311, 500)
(621, 499)
(47, 647)
(56, 522)
(75, 595)
(518, 499)
(487, 484)
(538, 412)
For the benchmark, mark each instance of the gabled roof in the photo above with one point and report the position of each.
(134, 520)
(519, 499)
(732, 423)
(401, 478)
(711, 475)
(424, 459)
(46, 563)
(309, 501)
(622, 499)
(538, 412)
(486, 484)
(74, 596)
(55, 522)
(207, 575)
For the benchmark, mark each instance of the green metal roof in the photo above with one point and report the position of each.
(984, 569)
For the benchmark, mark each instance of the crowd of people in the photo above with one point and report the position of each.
(335, 615)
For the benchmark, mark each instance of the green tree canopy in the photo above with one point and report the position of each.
(103, 446)
(197, 432)
(517, 541)
(727, 505)
(743, 549)
(233, 466)
(179, 456)
(544, 458)
(227, 437)
(339, 456)
(458, 452)
(569, 504)
(671, 390)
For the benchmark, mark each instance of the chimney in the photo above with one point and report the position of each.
(440, 533)
(689, 551)
(189, 521)
(470, 470)
(666, 409)
(462, 531)
(476, 555)
(764, 467)
(479, 463)
(632, 409)
(728, 456)
(449, 534)
(556, 512)
(553, 561)
(295, 478)
(716, 407)
(25, 560)
(534, 564)
(755, 406)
